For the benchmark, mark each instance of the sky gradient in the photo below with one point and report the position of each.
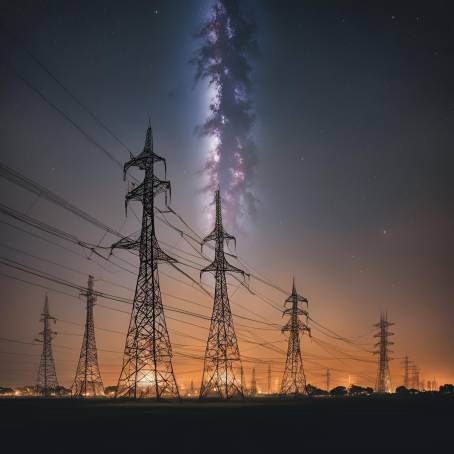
(354, 111)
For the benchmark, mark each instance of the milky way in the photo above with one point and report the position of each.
(227, 45)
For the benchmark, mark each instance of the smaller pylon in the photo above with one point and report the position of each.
(414, 378)
(253, 389)
(383, 383)
(222, 362)
(294, 379)
(269, 379)
(328, 380)
(88, 381)
(406, 366)
(47, 382)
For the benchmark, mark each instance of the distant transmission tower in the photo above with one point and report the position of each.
(294, 380)
(253, 389)
(328, 379)
(88, 381)
(269, 378)
(47, 376)
(415, 382)
(222, 357)
(147, 369)
(383, 383)
(406, 365)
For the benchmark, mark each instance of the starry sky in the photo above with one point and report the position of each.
(354, 129)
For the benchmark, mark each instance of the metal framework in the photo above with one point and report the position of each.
(222, 363)
(294, 379)
(88, 381)
(383, 382)
(253, 388)
(414, 377)
(269, 379)
(406, 365)
(47, 377)
(147, 369)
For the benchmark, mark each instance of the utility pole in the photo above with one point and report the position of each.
(147, 369)
(47, 376)
(88, 381)
(253, 390)
(328, 380)
(406, 365)
(222, 362)
(269, 378)
(294, 380)
(383, 383)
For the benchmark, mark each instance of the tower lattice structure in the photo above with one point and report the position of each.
(406, 366)
(88, 381)
(269, 385)
(414, 377)
(47, 381)
(328, 380)
(383, 382)
(222, 363)
(294, 379)
(147, 369)
(253, 389)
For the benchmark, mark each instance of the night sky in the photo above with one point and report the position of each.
(354, 129)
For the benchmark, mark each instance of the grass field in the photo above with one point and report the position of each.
(423, 423)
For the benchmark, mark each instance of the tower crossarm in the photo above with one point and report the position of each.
(298, 325)
(222, 265)
(297, 311)
(146, 158)
(137, 193)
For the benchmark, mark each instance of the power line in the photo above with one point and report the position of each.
(64, 87)
(63, 114)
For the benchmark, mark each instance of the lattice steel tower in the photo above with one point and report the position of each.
(383, 383)
(47, 376)
(414, 370)
(294, 380)
(88, 381)
(269, 386)
(406, 365)
(222, 363)
(253, 389)
(147, 369)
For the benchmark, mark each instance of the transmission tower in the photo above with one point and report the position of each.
(88, 381)
(406, 366)
(253, 389)
(294, 380)
(269, 378)
(47, 376)
(147, 369)
(222, 362)
(328, 379)
(415, 383)
(383, 383)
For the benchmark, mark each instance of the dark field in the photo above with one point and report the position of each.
(412, 424)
